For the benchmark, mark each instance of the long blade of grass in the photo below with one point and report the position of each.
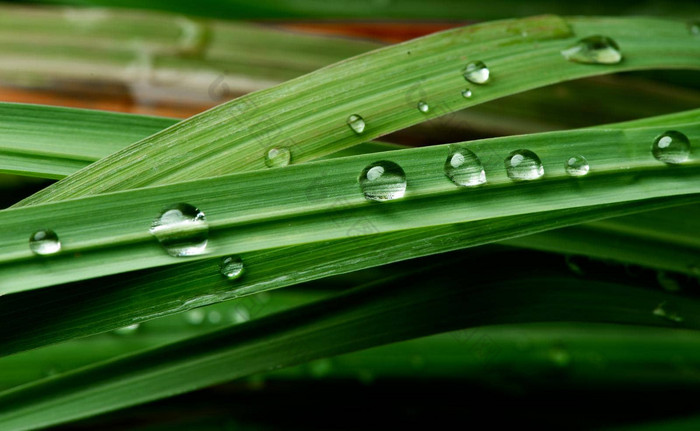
(322, 201)
(308, 115)
(401, 309)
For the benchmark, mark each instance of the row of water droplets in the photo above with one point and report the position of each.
(183, 231)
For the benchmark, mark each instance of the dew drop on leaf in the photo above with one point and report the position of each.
(577, 166)
(383, 181)
(44, 242)
(182, 230)
(671, 147)
(594, 50)
(464, 168)
(278, 157)
(523, 165)
(231, 267)
(356, 123)
(423, 107)
(477, 72)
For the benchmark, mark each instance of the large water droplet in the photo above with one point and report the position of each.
(423, 107)
(383, 181)
(44, 242)
(182, 230)
(278, 157)
(231, 267)
(477, 72)
(594, 50)
(577, 166)
(356, 123)
(464, 168)
(523, 165)
(671, 147)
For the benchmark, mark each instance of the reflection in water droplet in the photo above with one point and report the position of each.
(182, 230)
(594, 50)
(463, 167)
(671, 147)
(477, 72)
(577, 166)
(127, 330)
(466, 93)
(231, 267)
(278, 157)
(44, 242)
(664, 311)
(383, 181)
(523, 165)
(356, 123)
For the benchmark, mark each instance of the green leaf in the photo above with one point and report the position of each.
(384, 312)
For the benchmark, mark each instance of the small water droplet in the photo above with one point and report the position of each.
(423, 107)
(356, 123)
(577, 166)
(463, 167)
(594, 50)
(278, 157)
(523, 165)
(383, 181)
(44, 242)
(195, 317)
(182, 230)
(466, 93)
(694, 28)
(214, 317)
(663, 310)
(127, 330)
(671, 147)
(231, 267)
(477, 72)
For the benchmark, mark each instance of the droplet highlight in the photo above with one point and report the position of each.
(577, 166)
(477, 73)
(182, 230)
(423, 107)
(278, 157)
(44, 242)
(383, 181)
(464, 168)
(231, 267)
(524, 165)
(356, 123)
(671, 147)
(127, 330)
(594, 50)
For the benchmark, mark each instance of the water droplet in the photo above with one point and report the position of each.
(694, 28)
(464, 168)
(577, 166)
(231, 267)
(594, 50)
(127, 330)
(214, 317)
(44, 242)
(423, 107)
(466, 93)
(477, 72)
(182, 230)
(195, 317)
(383, 181)
(278, 157)
(663, 310)
(671, 147)
(523, 165)
(356, 123)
